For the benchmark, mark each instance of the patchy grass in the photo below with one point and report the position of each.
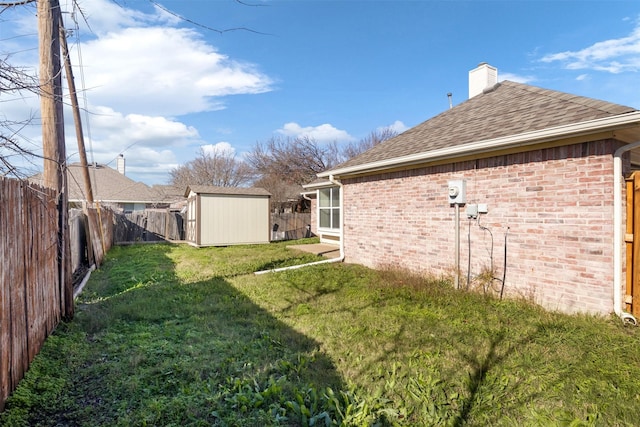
(173, 335)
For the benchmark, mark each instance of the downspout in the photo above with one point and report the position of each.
(617, 233)
(341, 232)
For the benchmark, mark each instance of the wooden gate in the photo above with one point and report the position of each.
(632, 239)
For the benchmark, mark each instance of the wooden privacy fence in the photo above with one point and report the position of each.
(290, 226)
(157, 225)
(32, 297)
(151, 225)
(89, 241)
(632, 239)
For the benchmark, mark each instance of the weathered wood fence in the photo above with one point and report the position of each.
(290, 226)
(151, 225)
(91, 233)
(32, 297)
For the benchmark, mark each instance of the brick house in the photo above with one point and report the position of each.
(541, 201)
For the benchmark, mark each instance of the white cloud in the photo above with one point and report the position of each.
(150, 143)
(140, 73)
(396, 126)
(612, 56)
(222, 148)
(515, 78)
(114, 131)
(105, 16)
(321, 133)
(164, 70)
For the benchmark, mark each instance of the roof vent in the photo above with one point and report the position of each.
(485, 76)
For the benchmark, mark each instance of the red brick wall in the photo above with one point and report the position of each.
(557, 205)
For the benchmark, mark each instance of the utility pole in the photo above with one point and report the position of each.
(76, 113)
(91, 222)
(51, 93)
(53, 144)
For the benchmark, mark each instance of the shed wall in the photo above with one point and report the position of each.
(556, 204)
(191, 225)
(233, 220)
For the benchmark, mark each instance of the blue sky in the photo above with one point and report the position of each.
(158, 87)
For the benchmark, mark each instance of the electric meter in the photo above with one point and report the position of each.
(457, 192)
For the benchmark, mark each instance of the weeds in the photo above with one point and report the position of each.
(173, 335)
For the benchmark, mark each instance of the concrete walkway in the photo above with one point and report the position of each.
(320, 249)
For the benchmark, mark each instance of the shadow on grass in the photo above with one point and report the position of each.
(158, 352)
(491, 384)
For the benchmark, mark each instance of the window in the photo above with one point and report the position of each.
(329, 207)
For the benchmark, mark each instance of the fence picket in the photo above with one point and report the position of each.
(5, 306)
(29, 290)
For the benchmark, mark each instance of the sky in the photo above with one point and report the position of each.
(159, 80)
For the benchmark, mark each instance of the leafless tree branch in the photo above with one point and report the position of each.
(218, 168)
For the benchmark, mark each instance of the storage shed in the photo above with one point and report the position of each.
(222, 216)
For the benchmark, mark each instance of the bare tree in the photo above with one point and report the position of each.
(283, 194)
(283, 165)
(219, 168)
(374, 138)
(14, 80)
(293, 161)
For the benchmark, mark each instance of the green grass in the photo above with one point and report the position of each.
(173, 335)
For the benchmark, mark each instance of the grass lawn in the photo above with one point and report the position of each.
(173, 335)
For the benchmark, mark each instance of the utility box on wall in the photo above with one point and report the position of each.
(457, 192)
(222, 216)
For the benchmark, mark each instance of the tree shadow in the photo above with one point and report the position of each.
(480, 366)
(500, 346)
(159, 351)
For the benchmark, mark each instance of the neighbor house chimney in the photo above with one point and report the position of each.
(120, 163)
(480, 78)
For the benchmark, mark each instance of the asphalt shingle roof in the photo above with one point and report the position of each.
(108, 185)
(210, 189)
(506, 109)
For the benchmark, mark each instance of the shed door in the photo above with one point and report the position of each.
(632, 239)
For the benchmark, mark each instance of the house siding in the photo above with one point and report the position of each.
(555, 204)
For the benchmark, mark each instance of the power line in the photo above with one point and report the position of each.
(197, 24)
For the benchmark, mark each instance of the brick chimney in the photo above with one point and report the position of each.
(481, 78)
(120, 164)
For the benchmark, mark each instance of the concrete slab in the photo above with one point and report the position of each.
(320, 249)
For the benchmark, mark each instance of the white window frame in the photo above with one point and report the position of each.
(329, 203)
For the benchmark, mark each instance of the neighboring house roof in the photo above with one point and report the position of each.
(491, 121)
(235, 191)
(169, 193)
(108, 186)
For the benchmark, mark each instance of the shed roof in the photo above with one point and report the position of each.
(234, 191)
(505, 109)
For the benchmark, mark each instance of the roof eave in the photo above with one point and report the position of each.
(76, 200)
(494, 144)
(317, 185)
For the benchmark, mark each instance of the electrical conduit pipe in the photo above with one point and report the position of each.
(341, 233)
(617, 233)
